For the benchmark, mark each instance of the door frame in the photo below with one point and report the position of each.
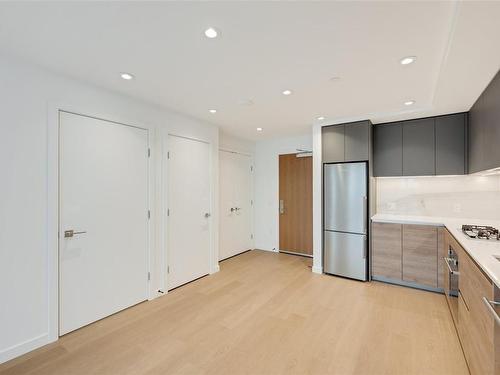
(252, 192)
(165, 222)
(53, 203)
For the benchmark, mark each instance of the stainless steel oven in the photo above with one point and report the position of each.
(451, 281)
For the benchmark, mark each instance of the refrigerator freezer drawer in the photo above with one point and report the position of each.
(346, 254)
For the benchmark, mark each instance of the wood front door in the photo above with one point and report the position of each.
(295, 204)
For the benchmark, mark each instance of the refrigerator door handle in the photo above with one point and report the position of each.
(365, 213)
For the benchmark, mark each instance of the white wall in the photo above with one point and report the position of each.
(267, 189)
(229, 142)
(475, 197)
(28, 96)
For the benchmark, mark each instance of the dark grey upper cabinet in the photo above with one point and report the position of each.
(451, 144)
(388, 150)
(333, 143)
(484, 129)
(357, 141)
(419, 148)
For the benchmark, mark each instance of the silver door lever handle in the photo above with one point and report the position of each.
(70, 233)
(207, 215)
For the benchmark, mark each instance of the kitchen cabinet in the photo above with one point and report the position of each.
(420, 254)
(388, 150)
(386, 250)
(474, 322)
(419, 148)
(484, 129)
(333, 143)
(451, 137)
(346, 142)
(422, 147)
(406, 254)
(441, 253)
(357, 141)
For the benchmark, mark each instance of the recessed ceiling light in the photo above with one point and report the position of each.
(320, 118)
(212, 110)
(286, 92)
(410, 102)
(259, 129)
(211, 33)
(126, 76)
(408, 60)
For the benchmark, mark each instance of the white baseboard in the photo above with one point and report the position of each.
(23, 347)
(317, 269)
(215, 269)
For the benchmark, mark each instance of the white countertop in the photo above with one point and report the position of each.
(482, 251)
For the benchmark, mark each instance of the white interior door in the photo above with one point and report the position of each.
(189, 210)
(104, 195)
(235, 187)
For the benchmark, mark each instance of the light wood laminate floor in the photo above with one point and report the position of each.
(264, 313)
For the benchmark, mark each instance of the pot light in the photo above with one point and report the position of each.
(409, 102)
(212, 110)
(126, 76)
(408, 60)
(211, 33)
(286, 92)
(259, 129)
(320, 118)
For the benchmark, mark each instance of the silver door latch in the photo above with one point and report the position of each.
(207, 215)
(70, 233)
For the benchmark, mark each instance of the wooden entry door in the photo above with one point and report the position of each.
(295, 204)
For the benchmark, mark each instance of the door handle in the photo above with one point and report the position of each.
(448, 261)
(489, 305)
(207, 215)
(282, 207)
(70, 233)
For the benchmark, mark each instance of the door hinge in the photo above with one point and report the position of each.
(149, 276)
(168, 154)
(251, 202)
(251, 168)
(168, 269)
(168, 211)
(251, 236)
(149, 214)
(149, 152)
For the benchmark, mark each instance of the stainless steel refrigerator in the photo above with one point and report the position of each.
(346, 219)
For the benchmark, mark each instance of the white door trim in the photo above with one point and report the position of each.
(53, 204)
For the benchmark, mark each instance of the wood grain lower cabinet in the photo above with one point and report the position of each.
(386, 250)
(476, 323)
(441, 253)
(420, 254)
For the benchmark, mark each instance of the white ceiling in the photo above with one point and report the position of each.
(264, 48)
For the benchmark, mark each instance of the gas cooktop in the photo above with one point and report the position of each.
(482, 232)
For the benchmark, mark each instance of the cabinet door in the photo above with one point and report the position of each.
(474, 285)
(386, 250)
(442, 251)
(420, 254)
(333, 143)
(357, 141)
(450, 144)
(388, 150)
(419, 149)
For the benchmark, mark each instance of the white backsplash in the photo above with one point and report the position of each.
(446, 196)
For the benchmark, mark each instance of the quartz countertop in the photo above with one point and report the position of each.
(484, 252)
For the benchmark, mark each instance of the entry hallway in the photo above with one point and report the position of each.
(264, 313)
